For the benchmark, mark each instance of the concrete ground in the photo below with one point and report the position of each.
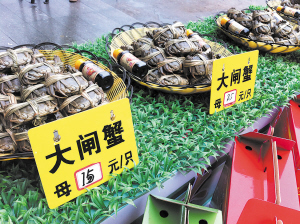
(63, 22)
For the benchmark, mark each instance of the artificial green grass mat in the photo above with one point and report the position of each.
(161, 122)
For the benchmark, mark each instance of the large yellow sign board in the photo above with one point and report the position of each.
(81, 151)
(233, 80)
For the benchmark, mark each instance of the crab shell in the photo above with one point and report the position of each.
(153, 75)
(22, 140)
(282, 30)
(182, 47)
(262, 16)
(7, 100)
(7, 144)
(171, 65)
(232, 13)
(15, 58)
(152, 56)
(93, 96)
(64, 85)
(173, 79)
(138, 46)
(34, 73)
(198, 65)
(9, 84)
(161, 36)
(33, 91)
(245, 20)
(261, 28)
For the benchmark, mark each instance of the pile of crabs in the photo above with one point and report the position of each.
(266, 26)
(173, 58)
(35, 91)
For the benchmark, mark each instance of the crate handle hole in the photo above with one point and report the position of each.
(164, 213)
(248, 148)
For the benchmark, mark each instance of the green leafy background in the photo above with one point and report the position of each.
(165, 143)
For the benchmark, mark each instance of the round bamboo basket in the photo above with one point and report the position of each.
(69, 55)
(126, 37)
(253, 44)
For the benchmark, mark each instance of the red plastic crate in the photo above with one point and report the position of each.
(253, 173)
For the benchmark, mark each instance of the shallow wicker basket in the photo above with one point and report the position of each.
(271, 48)
(125, 38)
(116, 92)
(273, 5)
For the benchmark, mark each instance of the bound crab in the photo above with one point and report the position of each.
(64, 85)
(15, 58)
(172, 80)
(34, 73)
(198, 65)
(182, 47)
(9, 84)
(35, 110)
(33, 91)
(93, 96)
(22, 139)
(8, 143)
(161, 36)
(7, 100)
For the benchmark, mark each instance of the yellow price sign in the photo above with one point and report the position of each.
(233, 80)
(81, 151)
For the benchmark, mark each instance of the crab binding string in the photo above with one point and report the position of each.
(26, 92)
(10, 134)
(8, 78)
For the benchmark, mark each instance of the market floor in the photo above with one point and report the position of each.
(63, 22)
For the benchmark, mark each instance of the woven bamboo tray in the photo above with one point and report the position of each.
(69, 55)
(273, 5)
(125, 38)
(253, 44)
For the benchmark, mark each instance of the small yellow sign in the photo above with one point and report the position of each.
(233, 80)
(81, 151)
